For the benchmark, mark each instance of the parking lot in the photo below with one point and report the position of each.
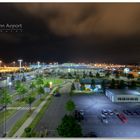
(92, 105)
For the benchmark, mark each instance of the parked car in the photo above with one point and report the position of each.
(116, 111)
(57, 94)
(78, 115)
(110, 112)
(127, 112)
(122, 117)
(136, 113)
(104, 120)
(103, 116)
(105, 112)
(82, 112)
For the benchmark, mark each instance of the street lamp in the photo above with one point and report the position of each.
(38, 64)
(14, 63)
(5, 133)
(20, 61)
(50, 85)
(10, 85)
(0, 63)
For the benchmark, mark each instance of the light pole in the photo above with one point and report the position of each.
(20, 61)
(4, 135)
(5, 105)
(50, 83)
(14, 63)
(38, 65)
(0, 63)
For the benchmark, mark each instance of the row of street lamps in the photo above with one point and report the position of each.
(20, 61)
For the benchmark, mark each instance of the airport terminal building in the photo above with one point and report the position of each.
(123, 95)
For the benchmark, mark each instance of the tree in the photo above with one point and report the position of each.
(82, 86)
(32, 86)
(121, 84)
(133, 85)
(12, 77)
(75, 73)
(112, 85)
(69, 127)
(70, 106)
(90, 74)
(93, 83)
(107, 74)
(97, 75)
(28, 131)
(47, 84)
(17, 84)
(69, 75)
(5, 98)
(30, 100)
(23, 78)
(130, 76)
(40, 90)
(21, 90)
(117, 75)
(72, 87)
(77, 80)
(39, 81)
(84, 74)
(103, 86)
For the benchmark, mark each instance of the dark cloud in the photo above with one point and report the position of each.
(72, 32)
(81, 19)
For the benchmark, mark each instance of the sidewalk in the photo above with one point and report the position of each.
(19, 108)
(32, 117)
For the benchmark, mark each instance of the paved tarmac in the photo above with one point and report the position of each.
(13, 119)
(93, 105)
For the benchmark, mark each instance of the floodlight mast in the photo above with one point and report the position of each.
(20, 61)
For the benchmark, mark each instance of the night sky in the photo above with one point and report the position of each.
(94, 32)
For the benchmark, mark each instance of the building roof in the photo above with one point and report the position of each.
(89, 81)
(124, 92)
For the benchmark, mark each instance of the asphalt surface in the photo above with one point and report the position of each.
(93, 105)
(53, 115)
(13, 119)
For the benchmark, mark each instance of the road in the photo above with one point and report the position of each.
(13, 119)
(33, 116)
(53, 115)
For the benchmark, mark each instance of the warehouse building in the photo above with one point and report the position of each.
(123, 95)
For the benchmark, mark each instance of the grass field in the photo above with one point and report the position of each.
(54, 80)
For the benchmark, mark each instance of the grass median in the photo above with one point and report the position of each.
(9, 113)
(39, 115)
(18, 124)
